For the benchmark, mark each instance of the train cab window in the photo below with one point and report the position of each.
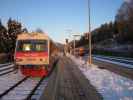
(32, 45)
(24, 47)
(40, 47)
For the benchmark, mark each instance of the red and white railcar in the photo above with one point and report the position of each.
(35, 54)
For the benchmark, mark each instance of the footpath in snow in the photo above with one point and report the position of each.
(110, 85)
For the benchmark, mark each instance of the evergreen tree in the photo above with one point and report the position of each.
(3, 38)
(14, 28)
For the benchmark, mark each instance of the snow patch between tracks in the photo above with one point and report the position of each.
(110, 85)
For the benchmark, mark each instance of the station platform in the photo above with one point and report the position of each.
(68, 83)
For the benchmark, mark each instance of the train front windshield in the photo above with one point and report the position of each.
(32, 45)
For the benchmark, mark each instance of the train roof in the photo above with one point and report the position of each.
(32, 36)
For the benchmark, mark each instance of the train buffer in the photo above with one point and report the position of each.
(68, 83)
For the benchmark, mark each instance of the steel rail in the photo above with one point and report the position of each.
(34, 89)
(12, 87)
(1, 74)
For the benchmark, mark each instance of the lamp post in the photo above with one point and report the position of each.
(76, 35)
(89, 23)
(69, 31)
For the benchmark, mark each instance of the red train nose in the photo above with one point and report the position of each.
(34, 72)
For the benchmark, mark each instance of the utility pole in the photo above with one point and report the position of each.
(89, 23)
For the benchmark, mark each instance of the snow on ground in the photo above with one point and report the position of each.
(110, 85)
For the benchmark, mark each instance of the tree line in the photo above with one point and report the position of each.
(120, 31)
(8, 35)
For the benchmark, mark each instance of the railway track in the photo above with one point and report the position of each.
(122, 61)
(125, 62)
(5, 64)
(12, 87)
(6, 68)
(36, 93)
(119, 59)
(18, 87)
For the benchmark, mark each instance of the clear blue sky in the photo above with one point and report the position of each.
(57, 16)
